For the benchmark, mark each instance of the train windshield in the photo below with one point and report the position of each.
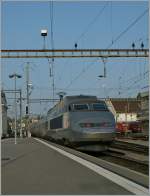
(80, 107)
(99, 106)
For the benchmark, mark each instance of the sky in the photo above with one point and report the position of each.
(74, 22)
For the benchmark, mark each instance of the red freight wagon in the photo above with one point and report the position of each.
(134, 127)
(121, 127)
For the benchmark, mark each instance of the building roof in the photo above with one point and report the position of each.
(125, 105)
(143, 94)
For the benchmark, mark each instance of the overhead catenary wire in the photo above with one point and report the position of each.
(52, 24)
(92, 22)
(51, 63)
(79, 75)
(128, 28)
(115, 40)
(85, 89)
(136, 77)
(111, 20)
(120, 35)
(87, 28)
(132, 85)
(82, 34)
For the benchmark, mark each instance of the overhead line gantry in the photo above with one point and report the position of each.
(74, 53)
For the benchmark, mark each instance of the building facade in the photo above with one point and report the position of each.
(143, 115)
(124, 109)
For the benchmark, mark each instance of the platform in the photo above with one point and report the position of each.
(31, 167)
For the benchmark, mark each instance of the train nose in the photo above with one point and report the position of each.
(104, 124)
(97, 127)
(95, 122)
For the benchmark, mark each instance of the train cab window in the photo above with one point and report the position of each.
(69, 107)
(80, 106)
(99, 106)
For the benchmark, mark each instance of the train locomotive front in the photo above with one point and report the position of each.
(83, 122)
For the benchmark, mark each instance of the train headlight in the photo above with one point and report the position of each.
(96, 125)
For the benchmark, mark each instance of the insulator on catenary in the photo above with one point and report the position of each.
(142, 45)
(75, 45)
(133, 45)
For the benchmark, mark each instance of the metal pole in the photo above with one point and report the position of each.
(44, 45)
(1, 121)
(20, 114)
(27, 83)
(15, 76)
(27, 86)
(40, 109)
(1, 131)
(104, 61)
(15, 113)
(53, 82)
(126, 110)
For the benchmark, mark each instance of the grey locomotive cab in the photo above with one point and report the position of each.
(83, 122)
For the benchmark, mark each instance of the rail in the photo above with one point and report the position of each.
(130, 146)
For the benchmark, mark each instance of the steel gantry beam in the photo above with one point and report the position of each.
(74, 53)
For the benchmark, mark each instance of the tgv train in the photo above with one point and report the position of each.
(83, 122)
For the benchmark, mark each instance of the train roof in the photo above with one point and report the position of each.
(81, 97)
(69, 99)
(74, 98)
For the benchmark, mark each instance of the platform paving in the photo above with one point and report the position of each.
(29, 167)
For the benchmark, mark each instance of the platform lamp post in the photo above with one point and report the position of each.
(44, 34)
(15, 76)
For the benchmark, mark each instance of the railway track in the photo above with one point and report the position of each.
(123, 160)
(129, 155)
(130, 146)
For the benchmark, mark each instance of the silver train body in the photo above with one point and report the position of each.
(83, 122)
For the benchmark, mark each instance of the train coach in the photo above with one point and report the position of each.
(83, 122)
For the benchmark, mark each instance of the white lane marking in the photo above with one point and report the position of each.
(123, 182)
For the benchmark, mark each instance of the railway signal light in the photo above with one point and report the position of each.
(44, 32)
(27, 111)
